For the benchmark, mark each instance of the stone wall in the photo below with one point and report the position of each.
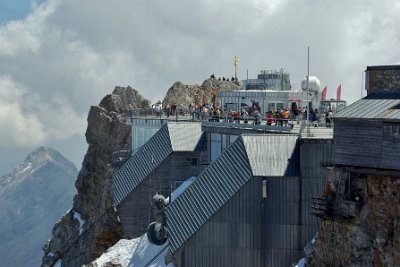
(382, 77)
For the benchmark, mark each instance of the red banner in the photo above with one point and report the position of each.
(338, 92)
(323, 94)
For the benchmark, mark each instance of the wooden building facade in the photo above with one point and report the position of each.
(135, 211)
(268, 221)
(367, 133)
(174, 154)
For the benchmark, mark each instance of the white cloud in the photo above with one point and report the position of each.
(18, 128)
(66, 55)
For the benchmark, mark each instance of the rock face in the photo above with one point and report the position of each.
(372, 237)
(32, 198)
(207, 93)
(91, 226)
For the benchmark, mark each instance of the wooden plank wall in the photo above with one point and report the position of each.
(391, 146)
(249, 230)
(231, 237)
(315, 156)
(282, 222)
(358, 143)
(135, 211)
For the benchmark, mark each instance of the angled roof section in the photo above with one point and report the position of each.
(171, 137)
(208, 193)
(248, 156)
(269, 155)
(378, 105)
(184, 136)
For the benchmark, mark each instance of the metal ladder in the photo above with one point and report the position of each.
(337, 214)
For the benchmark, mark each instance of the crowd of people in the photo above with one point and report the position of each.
(279, 117)
(233, 80)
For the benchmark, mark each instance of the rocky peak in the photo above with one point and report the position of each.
(123, 97)
(45, 154)
(208, 92)
(32, 197)
(91, 226)
(34, 161)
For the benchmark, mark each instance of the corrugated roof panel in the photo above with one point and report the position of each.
(171, 137)
(269, 154)
(184, 135)
(209, 191)
(141, 164)
(371, 108)
(390, 114)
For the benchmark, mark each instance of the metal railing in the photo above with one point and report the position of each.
(181, 115)
(295, 124)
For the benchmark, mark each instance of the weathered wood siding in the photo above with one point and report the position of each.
(232, 237)
(135, 211)
(367, 143)
(315, 156)
(281, 229)
(391, 146)
(249, 230)
(358, 143)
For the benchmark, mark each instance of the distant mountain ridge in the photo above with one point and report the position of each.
(32, 198)
(37, 158)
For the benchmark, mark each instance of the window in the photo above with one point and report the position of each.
(264, 188)
(215, 146)
(275, 106)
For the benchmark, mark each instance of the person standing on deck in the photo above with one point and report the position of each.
(257, 118)
(315, 117)
(270, 118)
(286, 115)
(244, 116)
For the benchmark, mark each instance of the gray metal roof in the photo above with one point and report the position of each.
(184, 136)
(375, 106)
(171, 137)
(269, 154)
(371, 109)
(241, 161)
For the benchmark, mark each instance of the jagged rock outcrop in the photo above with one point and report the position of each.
(372, 237)
(207, 93)
(32, 197)
(91, 226)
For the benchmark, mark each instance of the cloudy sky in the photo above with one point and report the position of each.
(59, 57)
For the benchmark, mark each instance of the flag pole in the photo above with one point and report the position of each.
(308, 90)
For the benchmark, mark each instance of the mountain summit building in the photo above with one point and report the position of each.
(249, 202)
